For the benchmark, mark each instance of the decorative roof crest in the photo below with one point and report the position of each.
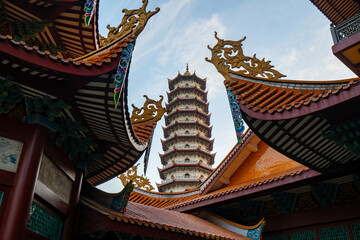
(138, 181)
(152, 110)
(129, 23)
(226, 58)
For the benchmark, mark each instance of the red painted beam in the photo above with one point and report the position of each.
(342, 46)
(21, 195)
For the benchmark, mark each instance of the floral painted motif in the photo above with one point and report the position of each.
(122, 71)
(89, 11)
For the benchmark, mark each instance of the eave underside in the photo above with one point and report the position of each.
(337, 11)
(68, 30)
(302, 140)
(92, 104)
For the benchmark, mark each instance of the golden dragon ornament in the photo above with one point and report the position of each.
(228, 55)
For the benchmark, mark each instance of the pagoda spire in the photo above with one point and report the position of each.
(187, 73)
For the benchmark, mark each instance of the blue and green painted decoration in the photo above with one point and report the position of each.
(89, 9)
(122, 71)
(236, 114)
(44, 223)
(256, 232)
(1, 196)
(120, 202)
(147, 155)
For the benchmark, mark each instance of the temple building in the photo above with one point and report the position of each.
(297, 167)
(345, 18)
(187, 157)
(65, 127)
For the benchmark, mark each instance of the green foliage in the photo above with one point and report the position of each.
(45, 106)
(28, 29)
(71, 138)
(70, 134)
(9, 95)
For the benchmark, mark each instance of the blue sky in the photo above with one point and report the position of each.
(293, 34)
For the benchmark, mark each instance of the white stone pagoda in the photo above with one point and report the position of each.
(187, 147)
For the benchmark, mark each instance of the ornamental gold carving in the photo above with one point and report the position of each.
(228, 55)
(139, 181)
(152, 110)
(133, 21)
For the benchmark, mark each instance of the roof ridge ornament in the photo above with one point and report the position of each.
(131, 175)
(152, 110)
(129, 23)
(226, 58)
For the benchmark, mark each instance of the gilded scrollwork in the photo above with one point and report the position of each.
(133, 21)
(152, 110)
(228, 55)
(138, 181)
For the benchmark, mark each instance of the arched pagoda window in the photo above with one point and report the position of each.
(187, 119)
(186, 132)
(187, 175)
(187, 160)
(187, 145)
(187, 85)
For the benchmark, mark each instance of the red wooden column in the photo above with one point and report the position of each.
(74, 200)
(17, 212)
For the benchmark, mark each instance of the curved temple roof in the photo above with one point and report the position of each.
(95, 207)
(87, 85)
(297, 118)
(249, 168)
(67, 29)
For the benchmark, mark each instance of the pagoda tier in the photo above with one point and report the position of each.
(184, 184)
(186, 165)
(187, 115)
(185, 152)
(180, 79)
(195, 125)
(187, 145)
(199, 103)
(202, 141)
(187, 92)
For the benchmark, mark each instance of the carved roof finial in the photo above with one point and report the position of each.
(152, 110)
(228, 55)
(133, 21)
(132, 176)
